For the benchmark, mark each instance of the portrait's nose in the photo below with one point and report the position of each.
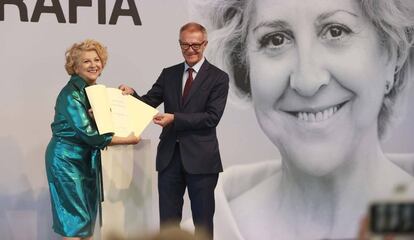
(309, 75)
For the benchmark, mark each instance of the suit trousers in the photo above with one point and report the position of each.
(173, 181)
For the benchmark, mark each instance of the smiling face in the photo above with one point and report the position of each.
(89, 66)
(193, 44)
(318, 75)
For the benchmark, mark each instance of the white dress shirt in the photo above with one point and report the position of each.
(196, 68)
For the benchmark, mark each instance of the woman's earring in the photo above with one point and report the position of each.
(388, 87)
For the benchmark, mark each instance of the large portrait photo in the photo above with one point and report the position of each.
(327, 81)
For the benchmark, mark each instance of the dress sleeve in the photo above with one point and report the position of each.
(77, 116)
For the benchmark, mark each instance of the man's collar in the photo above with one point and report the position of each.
(196, 67)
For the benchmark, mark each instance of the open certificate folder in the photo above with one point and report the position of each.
(117, 113)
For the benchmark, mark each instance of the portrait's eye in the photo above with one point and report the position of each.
(335, 32)
(274, 41)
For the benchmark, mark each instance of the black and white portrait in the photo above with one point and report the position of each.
(325, 79)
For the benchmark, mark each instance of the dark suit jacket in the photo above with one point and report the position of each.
(195, 120)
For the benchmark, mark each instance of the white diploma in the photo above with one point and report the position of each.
(117, 113)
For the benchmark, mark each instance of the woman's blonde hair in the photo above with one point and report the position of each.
(73, 53)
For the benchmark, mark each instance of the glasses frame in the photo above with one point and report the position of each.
(194, 46)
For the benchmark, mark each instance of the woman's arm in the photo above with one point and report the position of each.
(77, 117)
(131, 139)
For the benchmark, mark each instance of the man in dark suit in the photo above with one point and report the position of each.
(194, 94)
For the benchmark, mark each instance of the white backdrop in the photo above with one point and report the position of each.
(32, 74)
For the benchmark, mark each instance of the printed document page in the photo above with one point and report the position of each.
(121, 114)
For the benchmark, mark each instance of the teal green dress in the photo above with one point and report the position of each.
(73, 163)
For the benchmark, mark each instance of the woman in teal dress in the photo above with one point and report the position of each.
(73, 161)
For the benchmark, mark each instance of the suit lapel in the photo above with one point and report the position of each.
(197, 82)
(179, 83)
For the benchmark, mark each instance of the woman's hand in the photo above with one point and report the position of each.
(134, 139)
(90, 113)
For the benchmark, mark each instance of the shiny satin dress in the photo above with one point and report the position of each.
(73, 163)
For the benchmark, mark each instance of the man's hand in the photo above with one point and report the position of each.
(126, 90)
(163, 119)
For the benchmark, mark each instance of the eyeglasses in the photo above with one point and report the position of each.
(194, 46)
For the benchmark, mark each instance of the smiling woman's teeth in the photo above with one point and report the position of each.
(318, 116)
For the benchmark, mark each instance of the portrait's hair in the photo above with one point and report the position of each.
(194, 27)
(228, 21)
(394, 21)
(73, 53)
